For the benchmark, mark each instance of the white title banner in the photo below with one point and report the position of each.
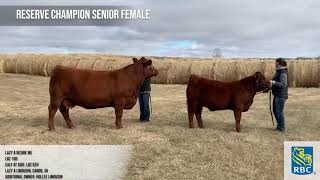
(64, 161)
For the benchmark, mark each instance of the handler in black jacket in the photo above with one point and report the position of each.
(144, 97)
(279, 87)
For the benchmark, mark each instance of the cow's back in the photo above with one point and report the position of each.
(86, 88)
(215, 95)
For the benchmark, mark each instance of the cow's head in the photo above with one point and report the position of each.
(148, 69)
(261, 82)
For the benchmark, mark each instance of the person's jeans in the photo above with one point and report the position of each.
(144, 106)
(278, 106)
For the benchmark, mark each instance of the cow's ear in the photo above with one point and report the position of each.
(147, 62)
(134, 60)
(143, 59)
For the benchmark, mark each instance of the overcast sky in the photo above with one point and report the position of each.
(246, 28)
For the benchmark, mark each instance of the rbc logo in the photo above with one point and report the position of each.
(302, 160)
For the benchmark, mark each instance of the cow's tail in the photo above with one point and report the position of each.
(53, 77)
(189, 91)
(191, 99)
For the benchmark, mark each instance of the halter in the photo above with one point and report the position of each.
(262, 90)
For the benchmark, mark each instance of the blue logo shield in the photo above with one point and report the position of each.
(302, 160)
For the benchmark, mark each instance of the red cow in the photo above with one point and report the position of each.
(91, 89)
(217, 95)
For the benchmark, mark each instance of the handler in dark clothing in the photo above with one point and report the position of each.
(144, 97)
(279, 87)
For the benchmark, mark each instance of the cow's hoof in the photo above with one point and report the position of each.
(191, 127)
(119, 127)
(72, 127)
(52, 129)
(201, 127)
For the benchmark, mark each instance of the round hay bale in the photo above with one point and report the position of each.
(99, 65)
(9, 65)
(114, 65)
(179, 72)
(52, 62)
(248, 68)
(163, 67)
(38, 64)
(109, 65)
(86, 64)
(268, 69)
(203, 68)
(318, 69)
(306, 73)
(224, 70)
(24, 64)
(1, 65)
(70, 62)
(291, 75)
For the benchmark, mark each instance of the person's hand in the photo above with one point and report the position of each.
(272, 83)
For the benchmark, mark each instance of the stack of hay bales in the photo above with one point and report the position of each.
(86, 64)
(163, 67)
(291, 75)
(24, 64)
(2, 61)
(179, 72)
(203, 68)
(38, 65)
(247, 68)
(9, 64)
(225, 70)
(302, 73)
(268, 69)
(109, 65)
(51, 63)
(1, 64)
(305, 73)
(102, 65)
(70, 62)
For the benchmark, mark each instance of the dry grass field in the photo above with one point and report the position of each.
(166, 148)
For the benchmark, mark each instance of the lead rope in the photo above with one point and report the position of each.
(270, 105)
(150, 104)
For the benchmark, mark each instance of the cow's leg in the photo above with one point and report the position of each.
(52, 108)
(65, 113)
(119, 111)
(198, 116)
(190, 115)
(237, 117)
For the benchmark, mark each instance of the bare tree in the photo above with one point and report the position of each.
(217, 53)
